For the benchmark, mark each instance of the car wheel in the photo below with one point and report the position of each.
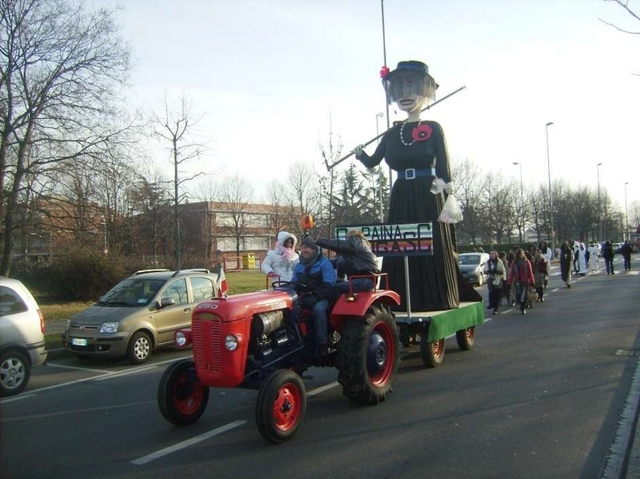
(480, 279)
(281, 405)
(15, 371)
(139, 348)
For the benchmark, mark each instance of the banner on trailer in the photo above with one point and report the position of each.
(408, 239)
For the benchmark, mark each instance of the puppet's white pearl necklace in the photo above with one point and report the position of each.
(402, 134)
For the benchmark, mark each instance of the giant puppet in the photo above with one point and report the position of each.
(416, 150)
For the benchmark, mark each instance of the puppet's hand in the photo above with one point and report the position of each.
(358, 151)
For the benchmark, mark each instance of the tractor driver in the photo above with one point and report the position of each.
(316, 272)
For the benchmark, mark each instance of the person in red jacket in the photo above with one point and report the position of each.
(521, 277)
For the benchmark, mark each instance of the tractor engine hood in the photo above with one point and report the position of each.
(242, 306)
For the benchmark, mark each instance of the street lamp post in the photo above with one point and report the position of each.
(600, 235)
(550, 194)
(515, 163)
(625, 233)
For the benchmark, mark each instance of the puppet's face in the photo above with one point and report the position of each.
(407, 90)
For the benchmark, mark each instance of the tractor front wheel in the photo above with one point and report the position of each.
(281, 405)
(181, 397)
(369, 357)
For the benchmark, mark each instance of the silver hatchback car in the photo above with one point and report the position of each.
(139, 314)
(21, 336)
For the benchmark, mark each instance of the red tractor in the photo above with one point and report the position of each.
(256, 340)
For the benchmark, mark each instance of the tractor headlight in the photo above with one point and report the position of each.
(231, 342)
(110, 327)
(180, 339)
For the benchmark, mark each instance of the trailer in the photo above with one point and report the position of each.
(426, 329)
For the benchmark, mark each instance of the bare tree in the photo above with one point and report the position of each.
(280, 208)
(177, 125)
(60, 68)
(236, 192)
(303, 182)
(330, 154)
(470, 190)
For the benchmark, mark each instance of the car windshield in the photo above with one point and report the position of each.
(132, 292)
(469, 259)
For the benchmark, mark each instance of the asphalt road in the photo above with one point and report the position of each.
(540, 396)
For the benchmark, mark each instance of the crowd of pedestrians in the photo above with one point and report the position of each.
(521, 276)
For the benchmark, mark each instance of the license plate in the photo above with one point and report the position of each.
(79, 342)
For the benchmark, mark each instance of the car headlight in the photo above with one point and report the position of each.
(110, 327)
(231, 342)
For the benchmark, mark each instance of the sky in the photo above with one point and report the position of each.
(272, 78)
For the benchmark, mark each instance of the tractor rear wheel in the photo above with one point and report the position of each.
(369, 356)
(181, 397)
(466, 338)
(281, 405)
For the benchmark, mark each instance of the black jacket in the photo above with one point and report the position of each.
(354, 256)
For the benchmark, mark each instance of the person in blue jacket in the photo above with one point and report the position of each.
(317, 273)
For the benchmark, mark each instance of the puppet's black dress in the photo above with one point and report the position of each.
(434, 280)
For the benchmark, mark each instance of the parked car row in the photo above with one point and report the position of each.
(137, 316)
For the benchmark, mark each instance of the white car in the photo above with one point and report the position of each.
(472, 267)
(21, 336)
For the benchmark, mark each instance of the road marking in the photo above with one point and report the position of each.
(16, 398)
(322, 389)
(101, 377)
(77, 368)
(120, 374)
(184, 444)
(75, 411)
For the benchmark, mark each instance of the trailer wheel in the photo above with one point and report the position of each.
(432, 353)
(181, 397)
(281, 405)
(466, 338)
(369, 357)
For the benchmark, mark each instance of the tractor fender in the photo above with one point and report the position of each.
(359, 305)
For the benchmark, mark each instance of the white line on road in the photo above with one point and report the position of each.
(184, 444)
(77, 368)
(101, 377)
(322, 389)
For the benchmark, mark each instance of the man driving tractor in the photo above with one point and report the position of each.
(316, 272)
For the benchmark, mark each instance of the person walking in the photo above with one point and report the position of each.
(495, 273)
(547, 252)
(566, 259)
(608, 255)
(521, 276)
(626, 250)
(582, 259)
(541, 273)
(593, 257)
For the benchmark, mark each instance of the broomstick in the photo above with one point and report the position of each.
(329, 167)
